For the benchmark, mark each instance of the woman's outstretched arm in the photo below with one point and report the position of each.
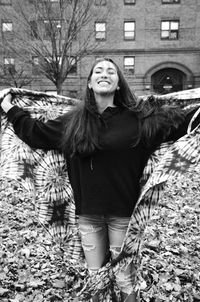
(163, 123)
(37, 134)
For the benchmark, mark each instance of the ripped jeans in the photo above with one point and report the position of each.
(103, 235)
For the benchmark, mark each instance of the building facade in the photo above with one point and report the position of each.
(156, 44)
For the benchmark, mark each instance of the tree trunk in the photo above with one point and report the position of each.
(59, 87)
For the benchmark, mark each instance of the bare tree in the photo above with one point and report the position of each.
(13, 76)
(56, 34)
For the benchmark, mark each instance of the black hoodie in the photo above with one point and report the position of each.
(106, 182)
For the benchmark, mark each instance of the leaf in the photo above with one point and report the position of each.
(18, 298)
(168, 286)
(47, 292)
(2, 276)
(179, 272)
(38, 298)
(143, 285)
(196, 297)
(3, 291)
(36, 283)
(177, 287)
(26, 252)
(20, 287)
(59, 284)
(153, 244)
(155, 276)
(183, 249)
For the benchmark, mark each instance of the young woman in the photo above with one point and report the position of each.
(107, 140)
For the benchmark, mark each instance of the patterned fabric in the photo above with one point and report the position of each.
(43, 175)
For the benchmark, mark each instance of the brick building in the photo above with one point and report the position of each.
(156, 43)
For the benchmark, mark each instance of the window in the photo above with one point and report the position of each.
(169, 30)
(129, 30)
(35, 65)
(47, 29)
(35, 60)
(5, 2)
(7, 30)
(170, 1)
(129, 65)
(7, 27)
(54, 3)
(73, 94)
(73, 65)
(129, 1)
(100, 2)
(34, 29)
(51, 27)
(9, 65)
(100, 30)
(71, 62)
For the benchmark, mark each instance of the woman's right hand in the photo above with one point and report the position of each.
(6, 104)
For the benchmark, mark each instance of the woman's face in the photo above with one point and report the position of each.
(104, 79)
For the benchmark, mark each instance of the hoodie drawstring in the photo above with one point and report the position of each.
(91, 163)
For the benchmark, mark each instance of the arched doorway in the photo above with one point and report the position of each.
(168, 80)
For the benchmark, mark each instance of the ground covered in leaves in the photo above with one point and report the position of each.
(32, 266)
(170, 269)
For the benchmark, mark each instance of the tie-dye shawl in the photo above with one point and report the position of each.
(43, 176)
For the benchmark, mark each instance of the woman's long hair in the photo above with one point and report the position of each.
(81, 134)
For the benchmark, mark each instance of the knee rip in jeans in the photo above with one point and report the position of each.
(88, 247)
(86, 230)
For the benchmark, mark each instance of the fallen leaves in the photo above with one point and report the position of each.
(31, 263)
(33, 267)
(171, 254)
